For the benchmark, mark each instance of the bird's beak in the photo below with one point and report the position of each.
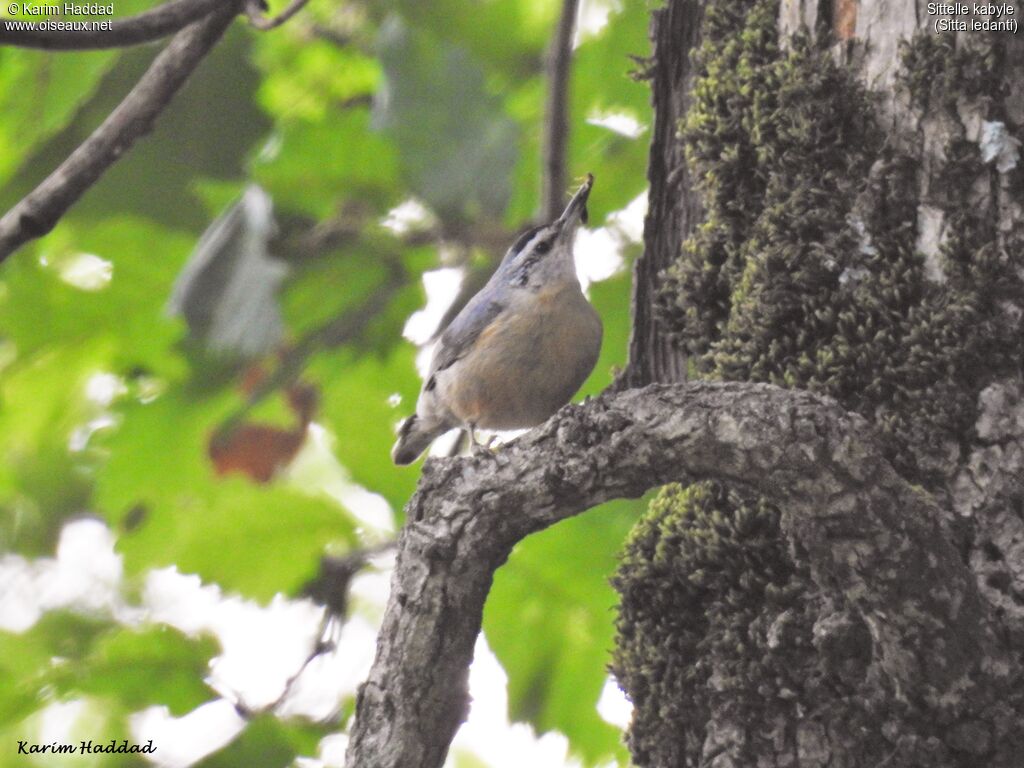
(576, 211)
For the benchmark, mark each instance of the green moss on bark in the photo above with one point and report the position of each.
(721, 625)
(807, 273)
(721, 130)
(936, 72)
(703, 577)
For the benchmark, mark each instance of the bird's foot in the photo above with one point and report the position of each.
(475, 445)
(483, 449)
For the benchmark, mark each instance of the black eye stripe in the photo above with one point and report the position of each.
(524, 238)
(528, 249)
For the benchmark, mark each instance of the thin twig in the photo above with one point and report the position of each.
(331, 584)
(337, 573)
(324, 644)
(39, 211)
(253, 11)
(333, 36)
(142, 28)
(556, 119)
(330, 589)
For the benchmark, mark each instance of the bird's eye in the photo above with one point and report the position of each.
(543, 247)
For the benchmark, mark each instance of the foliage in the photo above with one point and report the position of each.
(109, 407)
(68, 656)
(555, 588)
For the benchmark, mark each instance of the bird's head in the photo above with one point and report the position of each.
(544, 254)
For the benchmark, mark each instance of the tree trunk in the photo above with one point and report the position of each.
(673, 208)
(868, 247)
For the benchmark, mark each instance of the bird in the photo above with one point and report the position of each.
(520, 348)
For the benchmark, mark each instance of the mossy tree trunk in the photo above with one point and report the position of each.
(845, 215)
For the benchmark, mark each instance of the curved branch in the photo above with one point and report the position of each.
(38, 212)
(142, 28)
(556, 117)
(867, 533)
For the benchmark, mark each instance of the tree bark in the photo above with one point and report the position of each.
(869, 534)
(673, 207)
(142, 28)
(983, 480)
(977, 478)
(556, 114)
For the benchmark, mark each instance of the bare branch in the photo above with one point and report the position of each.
(253, 9)
(325, 643)
(333, 36)
(330, 586)
(142, 28)
(330, 589)
(556, 119)
(867, 534)
(38, 212)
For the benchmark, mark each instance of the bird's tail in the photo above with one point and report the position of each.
(413, 439)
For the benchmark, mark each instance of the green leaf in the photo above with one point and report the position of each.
(258, 540)
(141, 667)
(614, 160)
(308, 79)
(602, 66)
(266, 742)
(354, 273)
(57, 84)
(600, 85)
(549, 621)
(356, 394)
(42, 483)
(611, 299)
(27, 665)
(39, 309)
(154, 179)
(314, 167)
(457, 146)
(509, 35)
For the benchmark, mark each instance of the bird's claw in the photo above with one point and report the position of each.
(483, 449)
(476, 447)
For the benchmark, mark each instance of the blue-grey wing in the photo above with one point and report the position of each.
(460, 335)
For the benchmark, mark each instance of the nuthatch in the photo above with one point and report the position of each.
(518, 350)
